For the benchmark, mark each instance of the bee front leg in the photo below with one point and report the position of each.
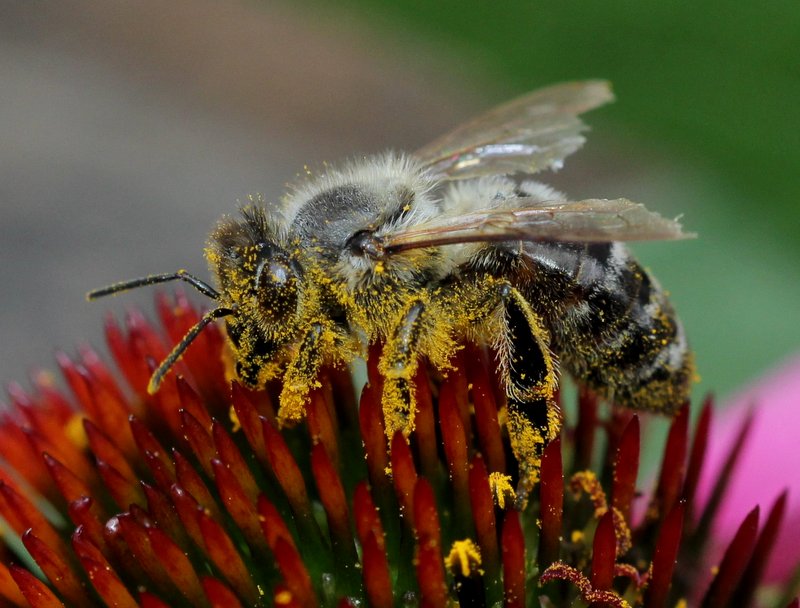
(398, 365)
(528, 374)
(301, 376)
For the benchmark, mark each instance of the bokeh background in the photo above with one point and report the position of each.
(127, 129)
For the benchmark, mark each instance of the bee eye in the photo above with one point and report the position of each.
(364, 242)
(276, 286)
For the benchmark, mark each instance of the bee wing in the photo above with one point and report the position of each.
(590, 220)
(528, 134)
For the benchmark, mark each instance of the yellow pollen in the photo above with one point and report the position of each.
(235, 422)
(75, 432)
(464, 557)
(502, 489)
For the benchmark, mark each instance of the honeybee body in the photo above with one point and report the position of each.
(424, 252)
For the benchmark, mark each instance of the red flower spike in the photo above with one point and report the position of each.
(110, 412)
(189, 480)
(99, 373)
(430, 575)
(697, 453)
(21, 514)
(177, 566)
(102, 576)
(148, 600)
(426, 515)
(144, 349)
(346, 402)
(320, 425)
(138, 542)
(665, 556)
(604, 553)
(248, 417)
(221, 550)
(76, 378)
(424, 436)
(204, 358)
(9, 592)
(154, 455)
(795, 603)
(673, 467)
(370, 418)
(374, 377)
(122, 490)
(109, 451)
(46, 420)
(486, 422)
(365, 515)
(272, 523)
(760, 557)
(733, 563)
(230, 455)
(192, 402)
(551, 503)
(454, 439)
(200, 442)
(626, 468)
(21, 456)
(457, 384)
(241, 508)
(287, 473)
(513, 547)
(133, 369)
(162, 513)
(404, 477)
(585, 430)
(186, 507)
(70, 486)
(218, 594)
(37, 594)
(165, 406)
(58, 572)
(295, 575)
(83, 513)
(482, 503)
(331, 493)
(66, 452)
(377, 578)
(723, 478)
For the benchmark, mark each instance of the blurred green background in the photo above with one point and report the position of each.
(128, 128)
(706, 124)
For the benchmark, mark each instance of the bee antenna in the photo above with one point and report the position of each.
(180, 347)
(153, 279)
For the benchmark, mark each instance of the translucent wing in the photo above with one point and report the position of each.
(591, 220)
(529, 134)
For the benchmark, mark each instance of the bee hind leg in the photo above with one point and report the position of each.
(528, 375)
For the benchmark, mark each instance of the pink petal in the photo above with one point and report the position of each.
(767, 466)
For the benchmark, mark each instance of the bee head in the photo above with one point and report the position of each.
(260, 280)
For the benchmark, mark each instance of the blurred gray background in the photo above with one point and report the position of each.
(127, 129)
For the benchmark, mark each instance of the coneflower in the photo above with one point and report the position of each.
(195, 497)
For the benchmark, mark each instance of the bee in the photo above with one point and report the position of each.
(451, 244)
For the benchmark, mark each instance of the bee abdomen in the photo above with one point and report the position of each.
(622, 337)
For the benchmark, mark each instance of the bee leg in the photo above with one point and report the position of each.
(398, 365)
(301, 376)
(530, 381)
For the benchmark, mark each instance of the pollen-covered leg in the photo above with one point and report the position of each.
(529, 378)
(301, 376)
(398, 366)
